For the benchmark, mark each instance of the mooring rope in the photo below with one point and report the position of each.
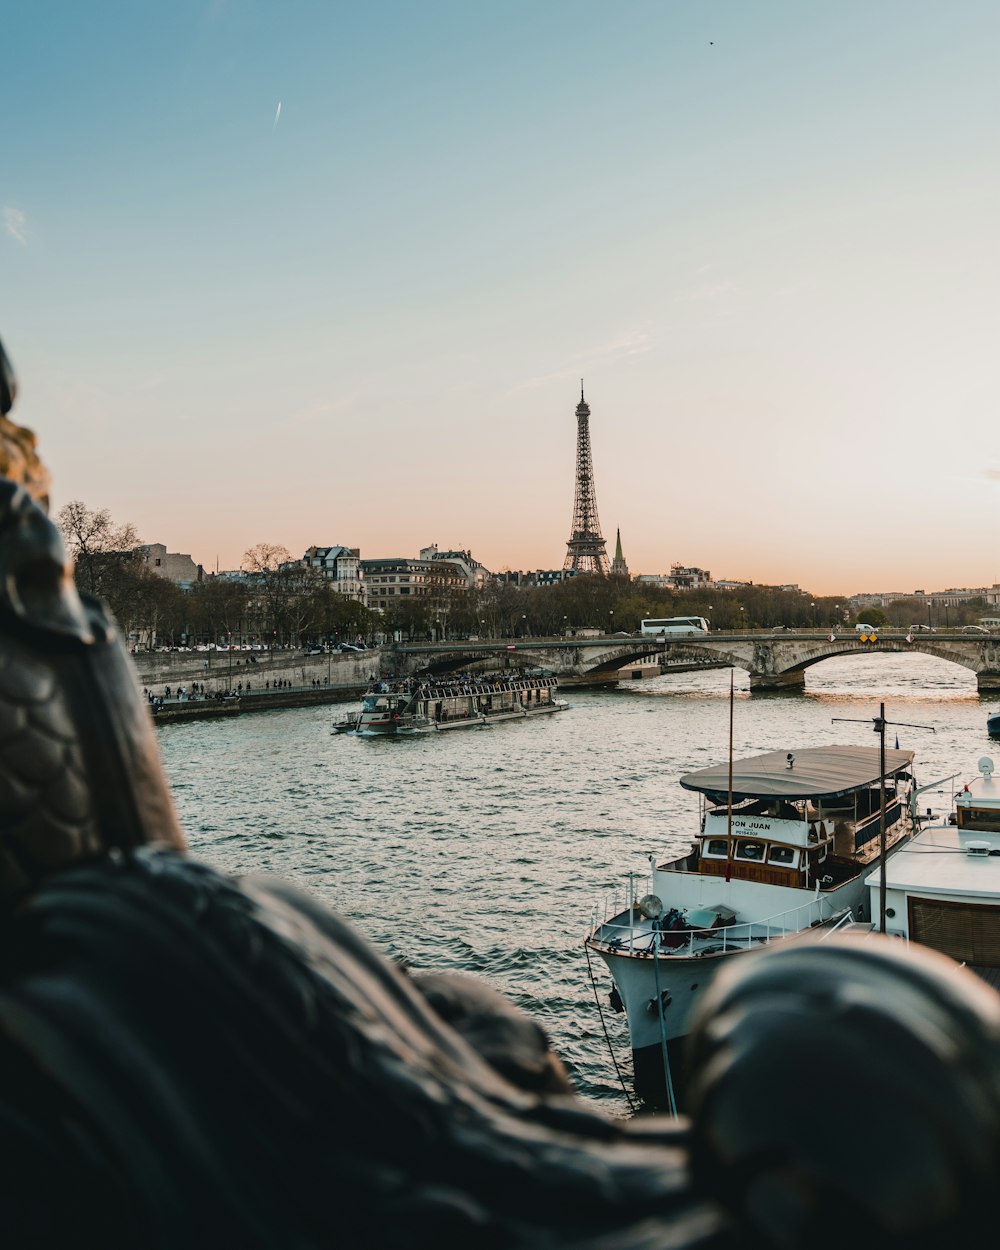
(668, 1079)
(607, 1037)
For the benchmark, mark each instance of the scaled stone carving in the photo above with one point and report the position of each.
(19, 461)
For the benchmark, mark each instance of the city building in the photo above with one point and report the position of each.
(341, 568)
(476, 574)
(388, 582)
(539, 577)
(682, 578)
(176, 568)
(952, 597)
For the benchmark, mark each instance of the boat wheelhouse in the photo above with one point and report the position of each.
(429, 704)
(942, 888)
(784, 843)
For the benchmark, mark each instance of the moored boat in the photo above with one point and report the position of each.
(784, 843)
(942, 888)
(431, 704)
(993, 725)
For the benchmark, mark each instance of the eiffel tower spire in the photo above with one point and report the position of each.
(585, 550)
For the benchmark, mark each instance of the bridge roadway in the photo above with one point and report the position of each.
(775, 661)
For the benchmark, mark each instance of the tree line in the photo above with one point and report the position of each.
(279, 600)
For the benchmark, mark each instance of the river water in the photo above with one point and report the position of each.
(486, 851)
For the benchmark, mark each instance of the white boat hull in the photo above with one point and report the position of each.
(659, 993)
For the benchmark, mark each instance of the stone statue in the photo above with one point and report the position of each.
(190, 1059)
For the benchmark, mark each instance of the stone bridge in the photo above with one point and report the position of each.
(774, 661)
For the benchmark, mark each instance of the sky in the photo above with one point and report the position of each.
(330, 273)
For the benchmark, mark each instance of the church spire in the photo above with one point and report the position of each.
(618, 566)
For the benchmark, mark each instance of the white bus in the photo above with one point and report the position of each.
(676, 625)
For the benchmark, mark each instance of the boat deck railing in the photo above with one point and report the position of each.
(628, 938)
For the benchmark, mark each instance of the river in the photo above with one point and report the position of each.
(485, 851)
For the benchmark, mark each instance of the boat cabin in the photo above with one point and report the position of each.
(806, 819)
(942, 888)
(977, 805)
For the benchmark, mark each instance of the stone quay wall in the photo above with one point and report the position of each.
(344, 673)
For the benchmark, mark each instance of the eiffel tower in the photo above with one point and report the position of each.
(585, 550)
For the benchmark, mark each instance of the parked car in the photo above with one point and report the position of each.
(349, 646)
(922, 629)
(862, 628)
(974, 629)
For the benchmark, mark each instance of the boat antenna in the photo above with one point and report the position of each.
(879, 723)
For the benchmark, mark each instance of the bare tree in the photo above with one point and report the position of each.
(266, 557)
(95, 542)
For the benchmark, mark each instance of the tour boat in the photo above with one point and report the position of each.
(784, 844)
(942, 888)
(429, 704)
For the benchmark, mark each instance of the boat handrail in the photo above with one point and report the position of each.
(729, 935)
(845, 920)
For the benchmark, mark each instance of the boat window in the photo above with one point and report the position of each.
(781, 855)
(716, 847)
(749, 850)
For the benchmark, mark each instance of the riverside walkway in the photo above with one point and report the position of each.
(204, 707)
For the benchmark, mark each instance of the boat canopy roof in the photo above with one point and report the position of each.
(810, 773)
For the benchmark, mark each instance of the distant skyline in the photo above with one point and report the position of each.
(330, 273)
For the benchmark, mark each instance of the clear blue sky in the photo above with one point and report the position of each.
(764, 232)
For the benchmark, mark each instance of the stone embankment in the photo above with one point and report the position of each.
(260, 680)
(344, 672)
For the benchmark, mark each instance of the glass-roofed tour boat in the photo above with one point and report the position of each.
(460, 701)
(785, 842)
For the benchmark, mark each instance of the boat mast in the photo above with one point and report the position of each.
(729, 805)
(880, 730)
(880, 723)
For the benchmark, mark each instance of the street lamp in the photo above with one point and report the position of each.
(813, 606)
(611, 621)
(743, 619)
(524, 626)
